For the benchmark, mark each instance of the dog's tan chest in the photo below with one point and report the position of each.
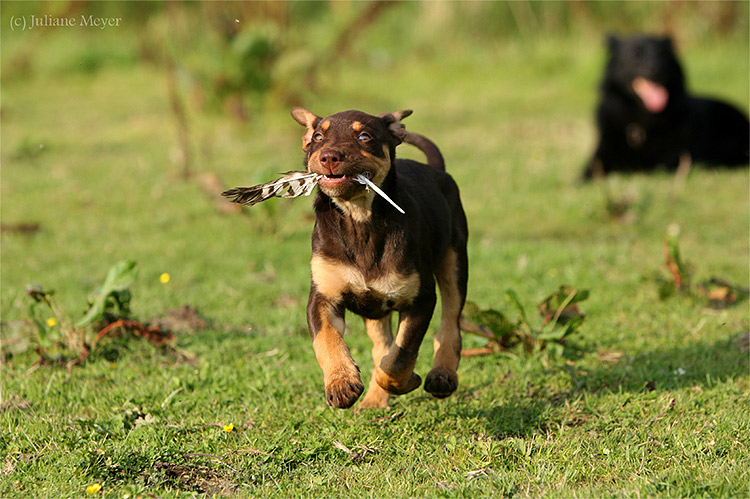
(335, 279)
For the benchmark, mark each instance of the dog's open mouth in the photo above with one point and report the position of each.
(653, 95)
(335, 180)
(339, 185)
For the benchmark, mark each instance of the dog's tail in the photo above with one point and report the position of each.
(434, 158)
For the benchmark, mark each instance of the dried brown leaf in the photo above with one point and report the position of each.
(609, 357)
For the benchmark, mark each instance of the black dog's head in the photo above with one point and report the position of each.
(645, 68)
(347, 144)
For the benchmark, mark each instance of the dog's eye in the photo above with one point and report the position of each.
(318, 137)
(364, 137)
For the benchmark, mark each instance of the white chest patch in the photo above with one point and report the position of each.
(333, 279)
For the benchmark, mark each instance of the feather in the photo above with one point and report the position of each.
(362, 179)
(291, 185)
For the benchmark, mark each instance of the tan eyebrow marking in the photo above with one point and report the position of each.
(325, 125)
(357, 126)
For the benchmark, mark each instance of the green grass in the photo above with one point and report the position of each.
(649, 397)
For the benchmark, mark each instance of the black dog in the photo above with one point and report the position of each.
(372, 260)
(646, 118)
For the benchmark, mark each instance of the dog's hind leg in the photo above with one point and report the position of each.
(395, 374)
(442, 380)
(381, 333)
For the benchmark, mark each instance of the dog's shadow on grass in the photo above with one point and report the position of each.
(519, 418)
(695, 366)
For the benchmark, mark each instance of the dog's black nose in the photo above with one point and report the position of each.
(330, 159)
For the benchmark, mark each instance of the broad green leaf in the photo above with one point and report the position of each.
(120, 276)
(491, 319)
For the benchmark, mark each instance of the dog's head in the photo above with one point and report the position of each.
(347, 144)
(647, 68)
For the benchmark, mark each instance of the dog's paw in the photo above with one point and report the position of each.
(343, 391)
(441, 382)
(397, 386)
(375, 399)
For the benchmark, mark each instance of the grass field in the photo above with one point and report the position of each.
(648, 399)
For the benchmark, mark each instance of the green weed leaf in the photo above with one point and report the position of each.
(40, 296)
(560, 313)
(493, 320)
(675, 264)
(561, 307)
(114, 292)
(512, 298)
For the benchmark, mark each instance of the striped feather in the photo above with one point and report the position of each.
(291, 185)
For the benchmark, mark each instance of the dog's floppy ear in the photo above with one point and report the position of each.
(306, 119)
(393, 121)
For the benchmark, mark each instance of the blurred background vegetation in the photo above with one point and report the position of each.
(236, 56)
(98, 124)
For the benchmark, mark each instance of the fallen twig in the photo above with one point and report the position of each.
(154, 334)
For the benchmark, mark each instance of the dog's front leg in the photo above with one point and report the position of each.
(340, 373)
(396, 371)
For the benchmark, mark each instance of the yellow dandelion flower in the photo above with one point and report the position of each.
(164, 278)
(229, 428)
(51, 322)
(93, 488)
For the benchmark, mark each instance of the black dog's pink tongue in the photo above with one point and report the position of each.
(653, 95)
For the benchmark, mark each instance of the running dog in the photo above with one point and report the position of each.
(373, 260)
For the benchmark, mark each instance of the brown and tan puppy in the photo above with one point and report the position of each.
(373, 260)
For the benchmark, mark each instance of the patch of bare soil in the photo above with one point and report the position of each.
(197, 478)
(184, 319)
